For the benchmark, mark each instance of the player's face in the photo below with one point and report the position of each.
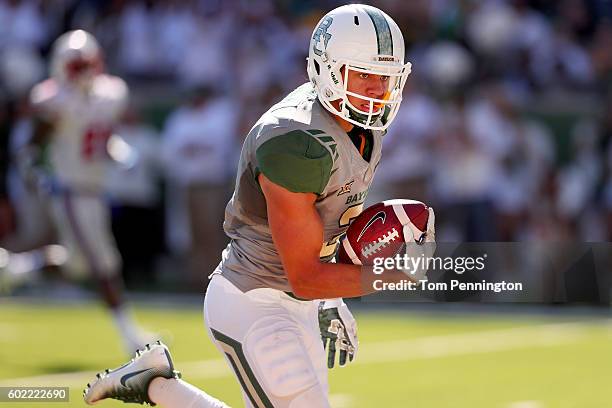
(369, 85)
(83, 69)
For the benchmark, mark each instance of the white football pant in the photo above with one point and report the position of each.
(84, 227)
(272, 343)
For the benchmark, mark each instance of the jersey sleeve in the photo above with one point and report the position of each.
(296, 161)
(115, 92)
(44, 100)
(123, 96)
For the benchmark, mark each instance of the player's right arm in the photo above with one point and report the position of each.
(42, 99)
(297, 232)
(293, 169)
(42, 107)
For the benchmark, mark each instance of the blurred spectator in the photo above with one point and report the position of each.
(463, 178)
(579, 179)
(601, 54)
(134, 188)
(134, 176)
(7, 217)
(520, 175)
(22, 24)
(20, 69)
(447, 66)
(137, 52)
(499, 130)
(198, 144)
(608, 194)
(409, 161)
(175, 26)
(491, 27)
(33, 227)
(206, 58)
(606, 142)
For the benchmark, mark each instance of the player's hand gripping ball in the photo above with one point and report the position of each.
(381, 231)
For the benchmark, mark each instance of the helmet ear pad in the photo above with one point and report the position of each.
(333, 70)
(326, 93)
(337, 77)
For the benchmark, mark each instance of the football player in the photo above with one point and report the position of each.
(304, 173)
(75, 111)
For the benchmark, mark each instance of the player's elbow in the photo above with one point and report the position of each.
(304, 292)
(303, 281)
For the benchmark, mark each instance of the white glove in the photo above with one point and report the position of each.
(339, 329)
(420, 245)
(430, 234)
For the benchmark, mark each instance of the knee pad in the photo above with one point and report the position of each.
(313, 397)
(280, 359)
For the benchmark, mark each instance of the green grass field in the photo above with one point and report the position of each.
(404, 360)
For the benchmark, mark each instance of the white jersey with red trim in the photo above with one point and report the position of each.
(83, 121)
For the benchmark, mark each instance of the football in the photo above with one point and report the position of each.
(382, 229)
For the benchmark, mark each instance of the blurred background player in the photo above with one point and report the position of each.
(76, 110)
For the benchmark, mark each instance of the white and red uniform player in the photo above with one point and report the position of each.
(76, 110)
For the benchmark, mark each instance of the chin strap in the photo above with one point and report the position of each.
(358, 116)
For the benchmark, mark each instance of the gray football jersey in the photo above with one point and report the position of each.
(296, 144)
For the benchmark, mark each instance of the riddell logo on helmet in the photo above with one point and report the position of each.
(386, 59)
(334, 79)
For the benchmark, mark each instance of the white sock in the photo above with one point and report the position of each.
(127, 327)
(172, 393)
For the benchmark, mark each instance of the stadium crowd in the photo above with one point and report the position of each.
(505, 128)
